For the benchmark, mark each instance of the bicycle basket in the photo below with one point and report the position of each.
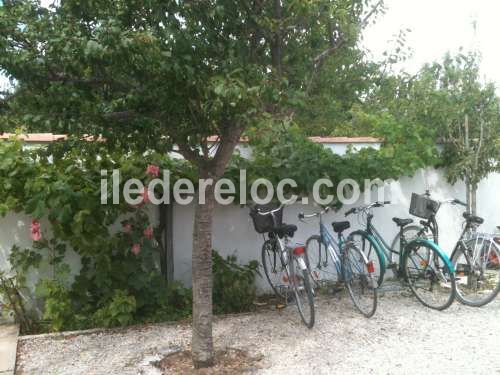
(422, 206)
(265, 223)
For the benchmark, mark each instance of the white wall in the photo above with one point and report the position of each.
(234, 234)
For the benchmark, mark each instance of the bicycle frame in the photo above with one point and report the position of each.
(388, 251)
(285, 251)
(333, 246)
(282, 247)
(484, 238)
(379, 241)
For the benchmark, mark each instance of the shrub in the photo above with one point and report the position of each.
(234, 284)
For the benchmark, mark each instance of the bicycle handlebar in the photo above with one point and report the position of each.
(308, 216)
(351, 211)
(269, 212)
(367, 207)
(457, 201)
(451, 200)
(283, 204)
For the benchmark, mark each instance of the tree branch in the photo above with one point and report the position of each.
(189, 154)
(319, 60)
(479, 146)
(93, 81)
(129, 115)
(228, 142)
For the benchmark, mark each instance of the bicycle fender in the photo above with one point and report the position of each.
(435, 247)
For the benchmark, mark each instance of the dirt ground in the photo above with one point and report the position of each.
(403, 337)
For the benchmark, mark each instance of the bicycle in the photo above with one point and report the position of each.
(326, 256)
(426, 208)
(428, 272)
(284, 265)
(476, 256)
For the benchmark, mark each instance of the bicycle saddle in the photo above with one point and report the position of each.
(473, 219)
(285, 230)
(340, 226)
(402, 222)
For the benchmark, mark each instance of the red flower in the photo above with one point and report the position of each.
(36, 232)
(136, 248)
(153, 170)
(127, 227)
(148, 233)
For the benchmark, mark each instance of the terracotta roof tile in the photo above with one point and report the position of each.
(44, 137)
(49, 137)
(324, 139)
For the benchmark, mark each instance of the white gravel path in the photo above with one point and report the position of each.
(402, 338)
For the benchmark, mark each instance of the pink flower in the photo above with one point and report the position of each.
(145, 195)
(145, 198)
(136, 248)
(36, 231)
(153, 170)
(127, 227)
(148, 233)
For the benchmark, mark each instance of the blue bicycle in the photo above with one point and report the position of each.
(341, 262)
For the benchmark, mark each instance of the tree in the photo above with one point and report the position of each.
(472, 133)
(447, 102)
(151, 74)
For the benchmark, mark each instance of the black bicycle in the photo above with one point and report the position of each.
(284, 265)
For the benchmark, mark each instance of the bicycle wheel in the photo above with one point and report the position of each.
(371, 250)
(301, 285)
(274, 268)
(358, 278)
(412, 232)
(429, 276)
(321, 266)
(477, 264)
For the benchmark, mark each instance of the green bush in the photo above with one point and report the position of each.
(118, 312)
(234, 284)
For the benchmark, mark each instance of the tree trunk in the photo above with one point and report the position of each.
(202, 347)
(202, 342)
(473, 199)
(468, 195)
(276, 44)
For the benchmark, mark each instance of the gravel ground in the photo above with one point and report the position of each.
(402, 338)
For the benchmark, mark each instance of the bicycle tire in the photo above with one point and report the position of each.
(420, 234)
(368, 285)
(420, 266)
(455, 257)
(268, 247)
(371, 249)
(319, 271)
(306, 287)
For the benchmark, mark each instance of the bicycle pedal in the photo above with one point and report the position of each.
(336, 290)
(280, 306)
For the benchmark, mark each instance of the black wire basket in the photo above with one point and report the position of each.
(266, 223)
(422, 206)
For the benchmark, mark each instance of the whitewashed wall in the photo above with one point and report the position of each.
(234, 233)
